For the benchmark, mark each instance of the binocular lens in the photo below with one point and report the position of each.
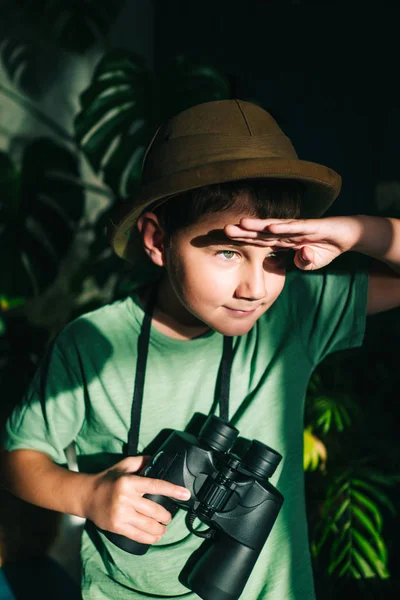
(261, 459)
(217, 434)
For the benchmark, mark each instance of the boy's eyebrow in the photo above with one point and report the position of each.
(215, 237)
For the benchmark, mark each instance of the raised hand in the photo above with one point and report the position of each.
(316, 242)
(117, 503)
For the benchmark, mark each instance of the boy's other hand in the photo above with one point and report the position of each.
(116, 501)
(316, 242)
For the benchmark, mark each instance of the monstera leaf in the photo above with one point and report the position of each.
(40, 208)
(28, 62)
(113, 126)
(33, 32)
(124, 105)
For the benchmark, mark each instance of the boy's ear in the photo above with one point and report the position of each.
(153, 238)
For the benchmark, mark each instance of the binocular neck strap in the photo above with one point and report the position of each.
(222, 384)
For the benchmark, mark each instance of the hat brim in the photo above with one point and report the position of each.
(322, 186)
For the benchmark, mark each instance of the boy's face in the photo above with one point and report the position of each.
(224, 284)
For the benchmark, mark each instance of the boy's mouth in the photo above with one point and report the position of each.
(237, 312)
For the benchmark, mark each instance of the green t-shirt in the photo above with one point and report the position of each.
(83, 393)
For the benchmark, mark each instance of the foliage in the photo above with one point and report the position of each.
(43, 202)
(40, 210)
(352, 517)
(35, 35)
(350, 496)
(315, 453)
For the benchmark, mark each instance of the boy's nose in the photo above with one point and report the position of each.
(252, 285)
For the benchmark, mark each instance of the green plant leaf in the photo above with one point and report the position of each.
(124, 105)
(336, 489)
(373, 532)
(113, 126)
(315, 384)
(383, 478)
(331, 521)
(343, 506)
(28, 63)
(342, 534)
(38, 224)
(42, 117)
(352, 523)
(361, 568)
(15, 56)
(373, 509)
(371, 556)
(314, 453)
(376, 493)
(343, 555)
(343, 571)
(327, 410)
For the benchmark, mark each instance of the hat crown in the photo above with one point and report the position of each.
(214, 133)
(230, 117)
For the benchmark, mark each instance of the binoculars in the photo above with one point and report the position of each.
(231, 495)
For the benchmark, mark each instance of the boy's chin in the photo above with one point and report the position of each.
(233, 329)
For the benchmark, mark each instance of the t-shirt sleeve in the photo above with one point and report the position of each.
(329, 309)
(52, 412)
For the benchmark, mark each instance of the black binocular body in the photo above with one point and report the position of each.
(229, 494)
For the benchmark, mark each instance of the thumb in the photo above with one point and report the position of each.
(304, 258)
(132, 464)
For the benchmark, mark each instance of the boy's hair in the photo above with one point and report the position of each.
(261, 198)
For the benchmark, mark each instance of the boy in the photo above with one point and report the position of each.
(217, 217)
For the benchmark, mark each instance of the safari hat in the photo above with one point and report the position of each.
(216, 142)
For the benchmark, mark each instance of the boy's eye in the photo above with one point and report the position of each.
(228, 254)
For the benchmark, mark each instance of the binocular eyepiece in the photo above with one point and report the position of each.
(259, 459)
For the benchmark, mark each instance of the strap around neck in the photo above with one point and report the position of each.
(222, 385)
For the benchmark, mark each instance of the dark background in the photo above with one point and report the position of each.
(327, 71)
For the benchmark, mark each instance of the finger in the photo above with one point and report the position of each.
(147, 524)
(307, 254)
(236, 231)
(239, 234)
(138, 535)
(295, 224)
(146, 485)
(304, 258)
(152, 509)
(255, 224)
(299, 227)
(272, 242)
(131, 464)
